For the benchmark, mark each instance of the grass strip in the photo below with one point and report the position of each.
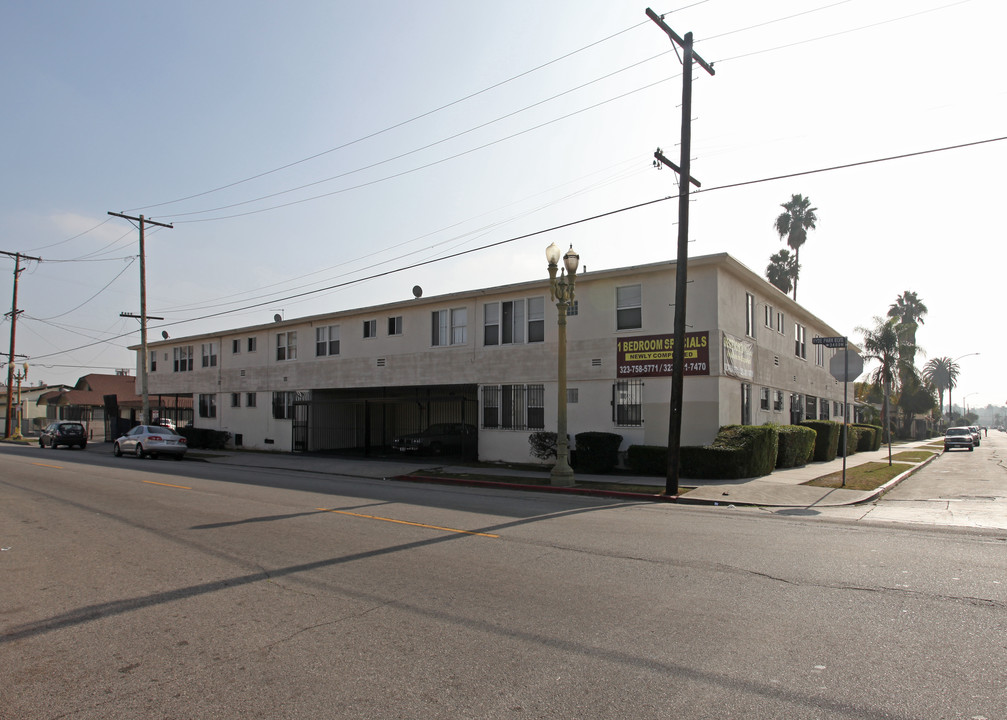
(869, 476)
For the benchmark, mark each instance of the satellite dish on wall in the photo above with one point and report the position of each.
(277, 317)
(164, 334)
(417, 291)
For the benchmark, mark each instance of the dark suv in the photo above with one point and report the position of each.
(439, 438)
(63, 433)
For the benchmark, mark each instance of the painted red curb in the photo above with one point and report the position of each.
(656, 497)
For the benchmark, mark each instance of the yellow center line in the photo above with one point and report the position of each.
(406, 522)
(58, 467)
(180, 487)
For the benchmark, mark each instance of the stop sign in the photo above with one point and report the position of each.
(846, 365)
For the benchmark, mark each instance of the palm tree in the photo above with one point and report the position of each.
(782, 270)
(794, 225)
(943, 373)
(882, 343)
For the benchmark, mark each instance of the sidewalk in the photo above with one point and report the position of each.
(783, 488)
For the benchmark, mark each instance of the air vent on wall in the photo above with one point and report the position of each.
(596, 362)
(381, 362)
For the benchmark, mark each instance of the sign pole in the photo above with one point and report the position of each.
(846, 409)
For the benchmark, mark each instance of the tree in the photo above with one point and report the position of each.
(882, 343)
(782, 270)
(793, 224)
(943, 373)
(908, 312)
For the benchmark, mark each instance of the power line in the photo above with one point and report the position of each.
(539, 232)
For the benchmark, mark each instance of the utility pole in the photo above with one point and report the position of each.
(681, 265)
(13, 327)
(143, 309)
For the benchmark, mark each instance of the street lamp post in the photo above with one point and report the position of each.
(562, 290)
(19, 376)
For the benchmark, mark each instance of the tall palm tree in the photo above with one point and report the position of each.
(793, 224)
(943, 373)
(782, 270)
(882, 344)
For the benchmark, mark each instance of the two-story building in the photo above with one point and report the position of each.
(354, 379)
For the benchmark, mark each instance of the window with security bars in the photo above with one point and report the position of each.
(513, 407)
(627, 403)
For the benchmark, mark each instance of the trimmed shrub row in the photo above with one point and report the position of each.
(741, 451)
(204, 438)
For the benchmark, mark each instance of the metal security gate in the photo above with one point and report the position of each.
(299, 426)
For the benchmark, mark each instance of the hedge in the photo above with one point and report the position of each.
(597, 452)
(738, 451)
(827, 441)
(204, 438)
(647, 459)
(795, 446)
(875, 439)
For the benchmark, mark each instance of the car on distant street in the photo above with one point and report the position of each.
(70, 434)
(976, 435)
(437, 439)
(958, 437)
(150, 441)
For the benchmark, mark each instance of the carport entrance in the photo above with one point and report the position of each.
(367, 419)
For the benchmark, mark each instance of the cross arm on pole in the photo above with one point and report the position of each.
(678, 40)
(146, 221)
(665, 161)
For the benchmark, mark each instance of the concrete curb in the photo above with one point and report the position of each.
(496, 484)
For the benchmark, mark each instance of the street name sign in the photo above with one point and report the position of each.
(829, 342)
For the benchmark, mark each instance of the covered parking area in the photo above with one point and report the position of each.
(366, 420)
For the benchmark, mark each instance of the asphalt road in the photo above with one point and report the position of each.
(155, 589)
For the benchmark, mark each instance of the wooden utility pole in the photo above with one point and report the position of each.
(143, 310)
(14, 312)
(681, 265)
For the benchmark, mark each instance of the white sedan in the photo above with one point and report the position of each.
(150, 440)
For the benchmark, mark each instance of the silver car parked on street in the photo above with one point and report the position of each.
(150, 441)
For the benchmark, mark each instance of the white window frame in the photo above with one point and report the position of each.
(286, 346)
(750, 315)
(370, 329)
(209, 353)
(183, 358)
(449, 327)
(629, 307)
(326, 341)
(800, 341)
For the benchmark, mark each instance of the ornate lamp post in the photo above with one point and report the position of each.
(19, 376)
(562, 291)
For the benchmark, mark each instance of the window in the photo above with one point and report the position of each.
(251, 344)
(750, 315)
(629, 307)
(235, 399)
(395, 325)
(768, 316)
(746, 404)
(209, 354)
(504, 323)
(447, 327)
(370, 328)
(286, 345)
(820, 355)
(627, 403)
(800, 345)
(779, 323)
(183, 358)
(327, 340)
(764, 399)
(236, 346)
(153, 360)
(283, 405)
(250, 399)
(810, 407)
(823, 413)
(536, 319)
(778, 400)
(207, 406)
(514, 407)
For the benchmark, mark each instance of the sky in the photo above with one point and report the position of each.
(315, 156)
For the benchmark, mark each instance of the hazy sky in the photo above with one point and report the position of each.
(304, 145)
